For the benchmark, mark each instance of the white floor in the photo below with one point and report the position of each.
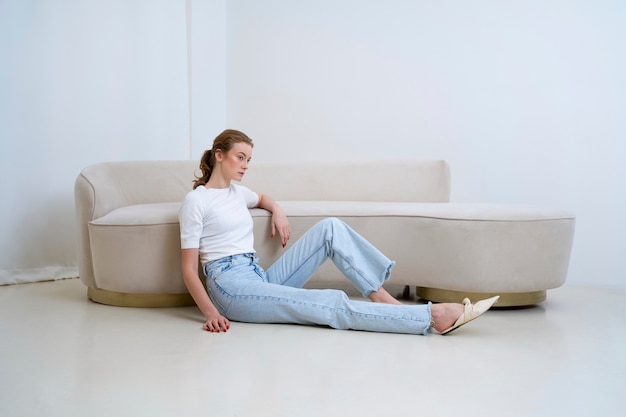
(63, 355)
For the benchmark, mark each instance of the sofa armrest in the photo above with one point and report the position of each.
(103, 187)
(84, 203)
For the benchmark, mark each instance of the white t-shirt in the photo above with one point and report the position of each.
(217, 222)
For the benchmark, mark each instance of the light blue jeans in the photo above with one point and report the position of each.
(243, 291)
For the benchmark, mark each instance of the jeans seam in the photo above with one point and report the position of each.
(295, 272)
(358, 271)
(325, 307)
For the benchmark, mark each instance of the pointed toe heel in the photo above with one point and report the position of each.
(472, 311)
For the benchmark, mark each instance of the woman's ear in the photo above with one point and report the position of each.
(219, 155)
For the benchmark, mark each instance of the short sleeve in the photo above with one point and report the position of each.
(251, 198)
(190, 217)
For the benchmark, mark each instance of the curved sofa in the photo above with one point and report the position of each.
(129, 243)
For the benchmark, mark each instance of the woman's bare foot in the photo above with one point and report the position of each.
(382, 296)
(445, 315)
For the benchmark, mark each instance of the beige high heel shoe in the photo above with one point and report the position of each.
(472, 311)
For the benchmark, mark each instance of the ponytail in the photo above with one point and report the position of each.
(223, 142)
(206, 166)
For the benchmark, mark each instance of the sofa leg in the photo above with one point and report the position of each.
(121, 299)
(517, 299)
(406, 293)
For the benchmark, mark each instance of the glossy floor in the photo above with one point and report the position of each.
(63, 355)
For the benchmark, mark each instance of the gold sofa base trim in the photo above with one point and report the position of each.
(437, 295)
(122, 299)
(517, 299)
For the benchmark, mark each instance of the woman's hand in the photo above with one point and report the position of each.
(280, 224)
(216, 324)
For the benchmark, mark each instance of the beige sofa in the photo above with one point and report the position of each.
(129, 247)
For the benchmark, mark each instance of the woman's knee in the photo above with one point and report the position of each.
(331, 223)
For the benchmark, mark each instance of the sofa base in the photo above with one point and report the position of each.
(121, 299)
(517, 299)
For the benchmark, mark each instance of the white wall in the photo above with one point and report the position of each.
(526, 99)
(207, 43)
(81, 82)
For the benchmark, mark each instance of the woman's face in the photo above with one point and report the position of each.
(235, 162)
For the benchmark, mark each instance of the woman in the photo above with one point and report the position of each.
(216, 227)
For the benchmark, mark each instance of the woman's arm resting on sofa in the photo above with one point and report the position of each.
(215, 322)
(279, 218)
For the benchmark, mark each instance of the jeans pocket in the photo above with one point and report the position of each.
(217, 268)
(259, 271)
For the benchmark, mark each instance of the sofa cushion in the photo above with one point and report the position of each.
(466, 247)
(463, 247)
(136, 249)
(450, 211)
(140, 215)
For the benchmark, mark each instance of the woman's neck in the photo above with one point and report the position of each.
(217, 181)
